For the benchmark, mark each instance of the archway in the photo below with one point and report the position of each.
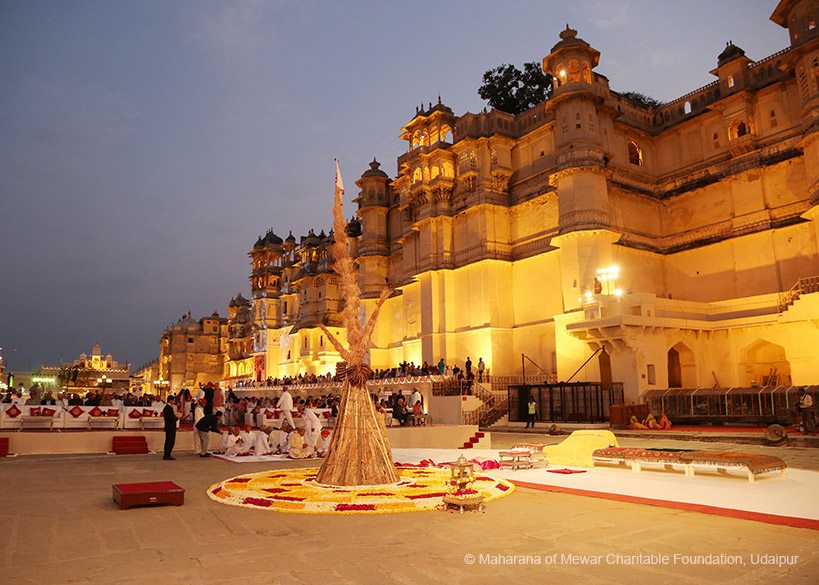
(682, 369)
(766, 364)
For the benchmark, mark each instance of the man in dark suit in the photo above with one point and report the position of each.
(207, 424)
(169, 415)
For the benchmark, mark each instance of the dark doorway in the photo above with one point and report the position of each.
(674, 369)
(604, 362)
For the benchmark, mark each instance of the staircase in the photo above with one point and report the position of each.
(803, 286)
(473, 440)
(130, 445)
(492, 409)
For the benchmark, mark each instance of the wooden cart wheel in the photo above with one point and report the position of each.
(776, 435)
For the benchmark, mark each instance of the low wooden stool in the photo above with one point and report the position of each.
(143, 494)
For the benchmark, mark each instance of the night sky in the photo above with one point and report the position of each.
(144, 145)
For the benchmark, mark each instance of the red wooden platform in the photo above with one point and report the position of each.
(144, 494)
(130, 444)
(4, 446)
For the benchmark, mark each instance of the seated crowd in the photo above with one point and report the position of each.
(402, 370)
(300, 443)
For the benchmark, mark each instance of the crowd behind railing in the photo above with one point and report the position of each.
(404, 371)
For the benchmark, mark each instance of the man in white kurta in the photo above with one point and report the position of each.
(236, 445)
(323, 443)
(312, 426)
(283, 439)
(285, 405)
(262, 444)
(223, 443)
(415, 397)
(247, 435)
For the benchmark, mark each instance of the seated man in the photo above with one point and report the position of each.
(236, 445)
(248, 436)
(324, 443)
(261, 445)
(223, 443)
(399, 411)
(299, 447)
(283, 439)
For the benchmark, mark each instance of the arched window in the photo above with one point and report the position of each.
(773, 119)
(687, 108)
(635, 155)
(737, 129)
(416, 176)
(574, 71)
(561, 74)
(586, 72)
(716, 140)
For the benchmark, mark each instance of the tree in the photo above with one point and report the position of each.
(642, 99)
(511, 90)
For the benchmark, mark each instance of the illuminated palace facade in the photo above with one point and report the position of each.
(678, 242)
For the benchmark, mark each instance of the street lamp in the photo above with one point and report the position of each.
(161, 384)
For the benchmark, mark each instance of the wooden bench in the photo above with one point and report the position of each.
(515, 459)
(36, 422)
(147, 494)
(719, 461)
(101, 422)
(152, 422)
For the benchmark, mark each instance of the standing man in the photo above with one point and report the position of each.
(532, 412)
(312, 426)
(285, 404)
(415, 397)
(468, 366)
(441, 366)
(804, 404)
(169, 415)
(481, 368)
(207, 424)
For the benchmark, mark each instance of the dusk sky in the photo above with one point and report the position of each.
(144, 145)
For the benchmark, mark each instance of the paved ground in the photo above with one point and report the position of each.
(60, 526)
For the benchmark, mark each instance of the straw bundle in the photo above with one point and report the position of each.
(359, 452)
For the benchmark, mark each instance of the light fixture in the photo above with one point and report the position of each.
(618, 292)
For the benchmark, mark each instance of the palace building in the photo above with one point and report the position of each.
(675, 246)
(191, 352)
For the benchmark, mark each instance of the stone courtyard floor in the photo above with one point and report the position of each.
(60, 526)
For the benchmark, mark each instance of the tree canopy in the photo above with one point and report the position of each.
(511, 90)
(642, 99)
